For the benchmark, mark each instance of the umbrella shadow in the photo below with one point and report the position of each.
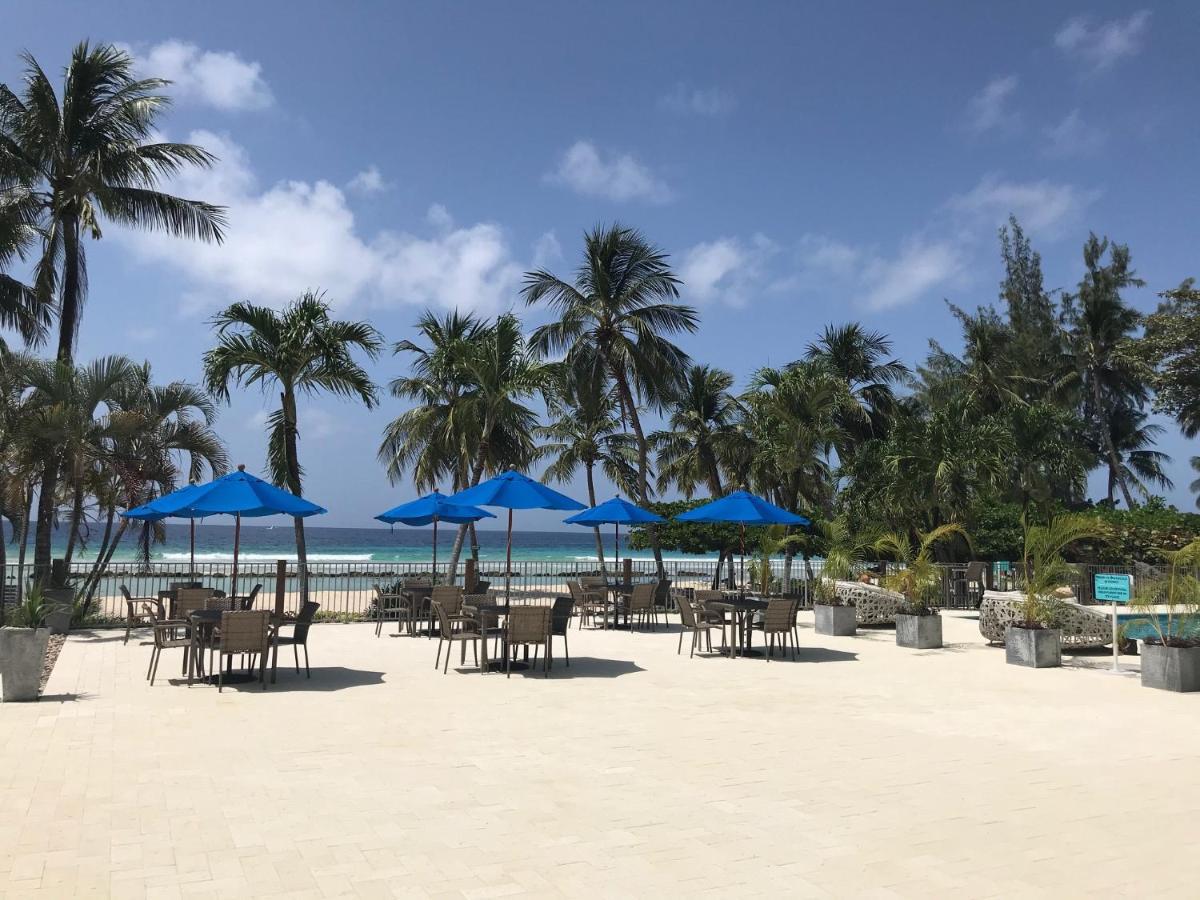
(815, 655)
(583, 667)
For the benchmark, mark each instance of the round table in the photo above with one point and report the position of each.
(743, 609)
(205, 620)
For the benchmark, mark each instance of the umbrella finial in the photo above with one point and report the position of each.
(241, 467)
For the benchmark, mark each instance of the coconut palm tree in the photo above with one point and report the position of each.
(701, 426)
(501, 373)
(89, 155)
(918, 577)
(299, 350)
(615, 317)
(21, 309)
(1100, 329)
(1141, 466)
(585, 433)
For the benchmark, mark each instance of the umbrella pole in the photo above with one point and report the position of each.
(192, 547)
(508, 561)
(743, 575)
(434, 580)
(237, 540)
(617, 546)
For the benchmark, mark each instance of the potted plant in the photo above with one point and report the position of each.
(1034, 639)
(918, 623)
(1171, 608)
(59, 597)
(835, 614)
(23, 649)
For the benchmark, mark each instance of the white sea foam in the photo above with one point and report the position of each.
(267, 557)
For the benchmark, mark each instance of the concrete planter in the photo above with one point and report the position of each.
(1035, 648)
(1171, 668)
(59, 601)
(22, 652)
(837, 621)
(919, 632)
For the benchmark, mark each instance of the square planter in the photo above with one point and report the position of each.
(838, 621)
(919, 632)
(1171, 668)
(59, 601)
(22, 652)
(1036, 648)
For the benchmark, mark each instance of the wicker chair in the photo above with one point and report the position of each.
(392, 606)
(662, 594)
(872, 605)
(588, 602)
(247, 602)
(640, 603)
(455, 628)
(778, 624)
(697, 621)
(246, 631)
(299, 636)
(976, 582)
(560, 623)
(1081, 628)
(702, 598)
(166, 637)
(141, 611)
(188, 599)
(528, 626)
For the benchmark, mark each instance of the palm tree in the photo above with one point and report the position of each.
(300, 349)
(918, 577)
(500, 373)
(1043, 567)
(21, 309)
(615, 317)
(1101, 327)
(1133, 439)
(860, 357)
(585, 433)
(75, 161)
(700, 429)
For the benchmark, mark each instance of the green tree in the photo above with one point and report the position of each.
(918, 577)
(88, 155)
(615, 316)
(1100, 338)
(21, 309)
(584, 432)
(299, 350)
(1170, 351)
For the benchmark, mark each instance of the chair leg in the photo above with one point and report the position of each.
(307, 671)
(220, 678)
(566, 650)
(438, 661)
(153, 650)
(296, 654)
(679, 649)
(446, 667)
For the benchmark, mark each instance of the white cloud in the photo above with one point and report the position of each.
(919, 268)
(142, 334)
(989, 109)
(294, 235)
(822, 252)
(216, 78)
(619, 177)
(1101, 45)
(686, 100)
(369, 181)
(726, 270)
(1043, 206)
(439, 217)
(1072, 137)
(546, 250)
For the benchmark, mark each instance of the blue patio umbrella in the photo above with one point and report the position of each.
(237, 494)
(512, 490)
(150, 512)
(742, 508)
(615, 512)
(433, 507)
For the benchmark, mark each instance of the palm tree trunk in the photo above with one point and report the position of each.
(291, 434)
(76, 521)
(460, 535)
(72, 290)
(591, 486)
(110, 551)
(89, 584)
(24, 543)
(1114, 460)
(474, 542)
(45, 517)
(635, 423)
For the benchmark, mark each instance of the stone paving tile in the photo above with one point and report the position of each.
(860, 770)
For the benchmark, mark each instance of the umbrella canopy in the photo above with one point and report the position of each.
(513, 490)
(434, 507)
(742, 508)
(236, 494)
(614, 512)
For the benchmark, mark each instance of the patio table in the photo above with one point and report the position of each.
(203, 622)
(743, 609)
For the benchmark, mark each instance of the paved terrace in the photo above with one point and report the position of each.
(862, 770)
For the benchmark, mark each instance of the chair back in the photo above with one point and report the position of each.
(703, 596)
(245, 631)
(642, 597)
(662, 592)
(225, 604)
(248, 602)
(529, 624)
(687, 613)
(450, 597)
(187, 600)
(592, 582)
(975, 571)
(560, 615)
(304, 620)
(443, 617)
(576, 590)
(780, 615)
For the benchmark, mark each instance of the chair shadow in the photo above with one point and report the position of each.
(91, 636)
(812, 655)
(324, 678)
(581, 667)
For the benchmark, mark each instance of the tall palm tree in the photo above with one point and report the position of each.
(615, 317)
(1141, 466)
(21, 309)
(1100, 328)
(89, 155)
(585, 433)
(861, 358)
(701, 427)
(300, 349)
(501, 373)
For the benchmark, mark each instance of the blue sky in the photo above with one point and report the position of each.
(801, 165)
